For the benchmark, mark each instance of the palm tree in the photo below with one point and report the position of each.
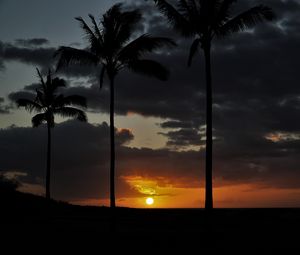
(47, 104)
(111, 49)
(204, 20)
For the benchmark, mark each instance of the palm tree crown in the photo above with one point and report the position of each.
(207, 19)
(110, 46)
(48, 102)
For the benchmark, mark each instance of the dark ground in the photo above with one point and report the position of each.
(27, 222)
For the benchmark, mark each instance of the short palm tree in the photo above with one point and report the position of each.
(205, 20)
(112, 49)
(48, 103)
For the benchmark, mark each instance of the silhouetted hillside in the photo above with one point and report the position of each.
(238, 231)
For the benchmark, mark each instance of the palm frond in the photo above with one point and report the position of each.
(118, 27)
(89, 35)
(38, 119)
(47, 103)
(111, 17)
(193, 50)
(71, 112)
(29, 105)
(41, 78)
(189, 9)
(175, 18)
(97, 31)
(71, 56)
(114, 11)
(58, 83)
(126, 24)
(223, 13)
(143, 44)
(150, 68)
(246, 20)
(41, 96)
(184, 8)
(49, 78)
(110, 24)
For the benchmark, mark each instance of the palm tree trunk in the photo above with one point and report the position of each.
(209, 140)
(48, 162)
(112, 145)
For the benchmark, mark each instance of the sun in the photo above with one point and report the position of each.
(149, 201)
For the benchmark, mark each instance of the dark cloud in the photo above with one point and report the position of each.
(14, 96)
(32, 87)
(184, 137)
(177, 124)
(80, 153)
(32, 53)
(37, 56)
(32, 42)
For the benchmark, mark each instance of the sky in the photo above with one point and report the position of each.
(159, 125)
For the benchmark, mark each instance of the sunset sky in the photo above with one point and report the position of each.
(160, 125)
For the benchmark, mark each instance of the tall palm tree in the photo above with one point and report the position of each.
(48, 103)
(205, 20)
(112, 49)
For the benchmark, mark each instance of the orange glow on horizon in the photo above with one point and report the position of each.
(169, 196)
(120, 130)
(173, 194)
(282, 136)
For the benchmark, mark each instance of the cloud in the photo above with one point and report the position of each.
(36, 56)
(32, 42)
(184, 137)
(4, 108)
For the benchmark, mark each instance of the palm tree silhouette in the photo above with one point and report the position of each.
(205, 20)
(47, 104)
(111, 49)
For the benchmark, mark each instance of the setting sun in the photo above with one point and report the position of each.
(149, 201)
